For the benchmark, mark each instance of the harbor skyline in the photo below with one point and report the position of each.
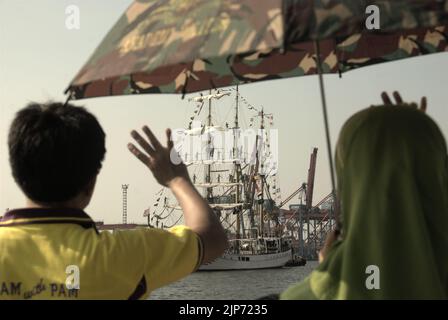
(41, 35)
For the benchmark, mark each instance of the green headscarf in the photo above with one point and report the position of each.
(392, 169)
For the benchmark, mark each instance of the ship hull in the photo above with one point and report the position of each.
(248, 261)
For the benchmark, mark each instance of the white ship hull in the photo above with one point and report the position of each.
(230, 261)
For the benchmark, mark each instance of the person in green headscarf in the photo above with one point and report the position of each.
(392, 170)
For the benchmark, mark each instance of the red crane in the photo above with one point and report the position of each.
(310, 184)
(308, 188)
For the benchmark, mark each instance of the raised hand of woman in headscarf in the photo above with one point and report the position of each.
(331, 238)
(399, 101)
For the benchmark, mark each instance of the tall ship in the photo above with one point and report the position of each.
(231, 161)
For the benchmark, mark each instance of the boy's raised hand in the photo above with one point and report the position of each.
(157, 157)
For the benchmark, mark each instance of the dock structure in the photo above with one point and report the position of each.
(101, 226)
(307, 225)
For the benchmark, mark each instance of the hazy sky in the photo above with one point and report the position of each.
(39, 57)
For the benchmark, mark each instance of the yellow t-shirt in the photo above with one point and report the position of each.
(59, 254)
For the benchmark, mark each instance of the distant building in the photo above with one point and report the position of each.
(119, 226)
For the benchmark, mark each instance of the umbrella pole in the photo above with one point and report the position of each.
(69, 97)
(327, 132)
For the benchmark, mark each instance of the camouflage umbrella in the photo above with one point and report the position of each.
(183, 46)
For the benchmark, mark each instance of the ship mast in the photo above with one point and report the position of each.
(237, 167)
(261, 176)
(209, 166)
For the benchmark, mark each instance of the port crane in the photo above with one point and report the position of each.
(307, 224)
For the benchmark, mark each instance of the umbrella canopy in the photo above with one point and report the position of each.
(183, 46)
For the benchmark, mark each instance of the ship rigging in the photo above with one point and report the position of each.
(235, 170)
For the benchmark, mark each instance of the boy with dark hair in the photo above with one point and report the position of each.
(55, 152)
(51, 248)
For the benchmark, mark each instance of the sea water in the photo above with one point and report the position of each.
(234, 285)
